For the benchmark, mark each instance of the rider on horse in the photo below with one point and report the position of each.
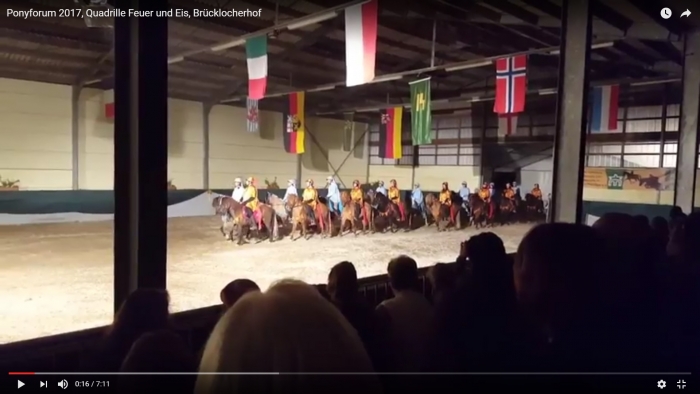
(333, 196)
(381, 188)
(418, 202)
(291, 190)
(250, 200)
(485, 195)
(446, 199)
(358, 197)
(508, 192)
(238, 190)
(464, 193)
(395, 197)
(310, 198)
(536, 192)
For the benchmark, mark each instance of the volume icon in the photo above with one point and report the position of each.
(63, 384)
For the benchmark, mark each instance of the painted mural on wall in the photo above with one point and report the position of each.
(629, 178)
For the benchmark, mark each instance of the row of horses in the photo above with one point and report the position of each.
(375, 208)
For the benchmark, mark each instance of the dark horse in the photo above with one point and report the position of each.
(442, 213)
(385, 208)
(234, 218)
(480, 211)
(534, 208)
(631, 176)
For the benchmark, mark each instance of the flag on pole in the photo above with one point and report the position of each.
(420, 112)
(511, 85)
(252, 115)
(507, 125)
(360, 42)
(348, 131)
(256, 53)
(108, 102)
(390, 133)
(605, 109)
(295, 127)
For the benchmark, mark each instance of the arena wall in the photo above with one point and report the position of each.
(36, 134)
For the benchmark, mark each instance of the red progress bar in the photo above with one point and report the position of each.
(21, 373)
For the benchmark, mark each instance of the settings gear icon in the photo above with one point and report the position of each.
(661, 384)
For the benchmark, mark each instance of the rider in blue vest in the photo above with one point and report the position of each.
(333, 196)
(464, 193)
(382, 189)
(418, 202)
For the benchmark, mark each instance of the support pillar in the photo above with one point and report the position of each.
(75, 135)
(687, 161)
(140, 150)
(206, 111)
(572, 113)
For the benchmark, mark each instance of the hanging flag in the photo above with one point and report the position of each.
(507, 125)
(390, 133)
(256, 53)
(252, 115)
(360, 42)
(348, 131)
(605, 109)
(295, 128)
(511, 85)
(108, 103)
(420, 112)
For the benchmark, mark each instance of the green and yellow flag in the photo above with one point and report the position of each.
(420, 112)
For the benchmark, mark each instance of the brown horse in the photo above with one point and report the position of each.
(354, 212)
(433, 205)
(534, 208)
(506, 210)
(322, 213)
(479, 209)
(386, 209)
(237, 219)
(444, 214)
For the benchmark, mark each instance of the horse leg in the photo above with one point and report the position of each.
(305, 230)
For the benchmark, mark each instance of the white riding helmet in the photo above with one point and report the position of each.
(237, 180)
(291, 182)
(329, 179)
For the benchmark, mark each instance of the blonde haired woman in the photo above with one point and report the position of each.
(288, 329)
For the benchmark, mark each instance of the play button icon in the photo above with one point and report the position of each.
(20, 384)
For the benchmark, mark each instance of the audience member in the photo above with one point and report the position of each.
(159, 351)
(443, 280)
(404, 321)
(288, 328)
(235, 290)
(143, 311)
(344, 294)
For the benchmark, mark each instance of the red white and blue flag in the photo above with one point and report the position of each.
(605, 109)
(511, 85)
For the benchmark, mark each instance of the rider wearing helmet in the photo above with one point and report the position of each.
(238, 190)
(395, 197)
(250, 199)
(381, 188)
(333, 196)
(310, 198)
(357, 196)
(291, 190)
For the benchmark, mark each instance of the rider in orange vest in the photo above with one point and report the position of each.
(485, 195)
(395, 197)
(536, 192)
(445, 194)
(358, 197)
(509, 193)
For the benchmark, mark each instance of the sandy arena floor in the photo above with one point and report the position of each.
(57, 278)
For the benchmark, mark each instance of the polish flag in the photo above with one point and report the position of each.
(360, 42)
(108, 103)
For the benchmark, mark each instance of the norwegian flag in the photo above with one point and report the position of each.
(511, 85)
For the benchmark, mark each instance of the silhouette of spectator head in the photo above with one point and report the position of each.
(342, 281)
(159, 351)
(144, 310)
(235, 290)
(289, 328)
(403, 273)
(442, 278)
(675, 212)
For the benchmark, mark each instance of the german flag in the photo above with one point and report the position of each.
(295, 125)
(390, 133)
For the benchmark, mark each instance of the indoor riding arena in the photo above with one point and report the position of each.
(277, 98)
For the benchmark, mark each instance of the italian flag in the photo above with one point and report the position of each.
(360, 42)
(256, 52)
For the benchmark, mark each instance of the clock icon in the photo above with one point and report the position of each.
(666, 13)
